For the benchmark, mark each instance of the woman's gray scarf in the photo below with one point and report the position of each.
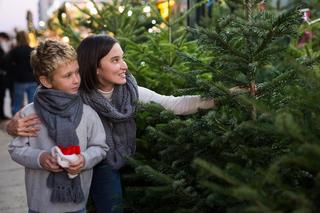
(61, 114)
(118, 120)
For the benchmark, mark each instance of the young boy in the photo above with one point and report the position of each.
(68, 124)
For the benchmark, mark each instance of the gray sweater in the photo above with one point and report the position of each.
(27, 150)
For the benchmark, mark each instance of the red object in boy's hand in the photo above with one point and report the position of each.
(70, 150)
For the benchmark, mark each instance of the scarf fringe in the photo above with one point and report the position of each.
(65, 194)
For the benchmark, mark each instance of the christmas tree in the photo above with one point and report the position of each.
(255, 152)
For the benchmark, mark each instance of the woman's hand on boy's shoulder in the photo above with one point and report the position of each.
(27, 126)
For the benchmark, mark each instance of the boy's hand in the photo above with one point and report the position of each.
(49, 162)
(27, 126)
(77, 166)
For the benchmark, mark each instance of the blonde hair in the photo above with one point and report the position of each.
(50, 54)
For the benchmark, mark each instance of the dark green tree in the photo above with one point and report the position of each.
(254, 152)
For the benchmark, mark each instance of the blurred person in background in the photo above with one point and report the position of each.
(20, 68)
(4, 49)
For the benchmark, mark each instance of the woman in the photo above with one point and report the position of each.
(112, 91)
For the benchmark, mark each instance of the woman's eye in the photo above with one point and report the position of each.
(115, 60)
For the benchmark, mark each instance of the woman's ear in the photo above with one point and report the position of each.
(45, 81)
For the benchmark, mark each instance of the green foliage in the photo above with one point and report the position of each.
(231, 161)
(119, 18)
(154, 62)
(129, 22)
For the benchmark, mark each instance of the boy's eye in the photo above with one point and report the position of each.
(68, 75)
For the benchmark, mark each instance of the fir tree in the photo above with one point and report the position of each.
(242, 147)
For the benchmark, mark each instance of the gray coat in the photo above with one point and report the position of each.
(27, 150)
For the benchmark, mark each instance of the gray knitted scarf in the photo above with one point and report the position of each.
(61, 114)
(117, 117)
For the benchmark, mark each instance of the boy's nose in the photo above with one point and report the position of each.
(76, 79)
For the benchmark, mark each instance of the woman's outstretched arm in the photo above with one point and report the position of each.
(180, 105)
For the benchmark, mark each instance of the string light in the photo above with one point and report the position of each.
(68, 5)
(65, 39)
(147, 9)
(91, 8)
(42, 23)
(121, 9)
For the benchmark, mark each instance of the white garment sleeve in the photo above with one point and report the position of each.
(182, 105)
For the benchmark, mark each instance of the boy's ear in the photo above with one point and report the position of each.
(44, 80)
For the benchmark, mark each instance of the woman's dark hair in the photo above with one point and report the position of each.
(90, 51)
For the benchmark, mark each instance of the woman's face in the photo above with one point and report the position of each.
(112, 69)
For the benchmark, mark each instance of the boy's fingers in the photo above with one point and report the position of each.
(53, 166)
(49, 163)
(77, 166)
(57, 170)
(72, 172)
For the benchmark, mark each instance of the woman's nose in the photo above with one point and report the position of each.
(124, 65)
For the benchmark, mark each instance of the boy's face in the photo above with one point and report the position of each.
(65, 78)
